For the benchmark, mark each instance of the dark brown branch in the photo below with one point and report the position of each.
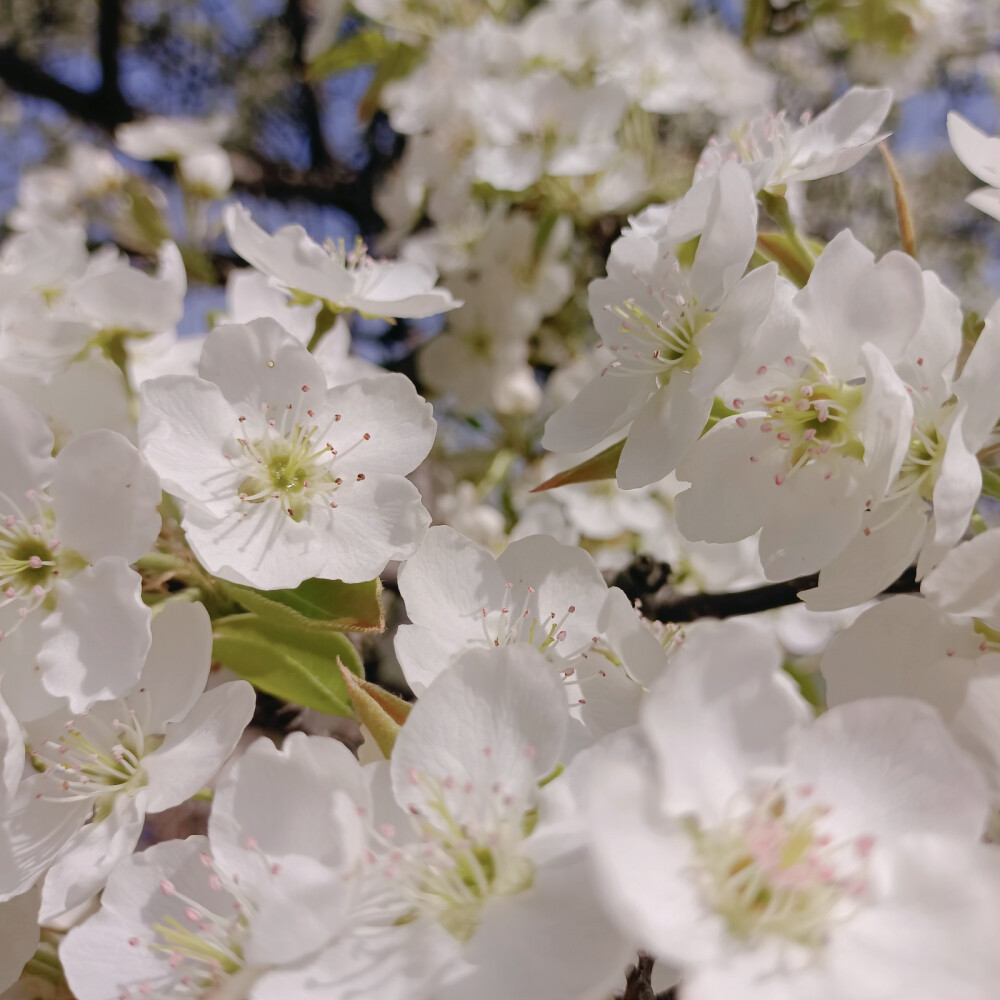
(639, 982)
(109, 28)
(297, 24)
(663, 604)
(25, 77)
(331, 184)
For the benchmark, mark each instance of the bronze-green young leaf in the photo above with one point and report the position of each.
(299, 665)
(602, 466)
(318, 605)
(380, 711)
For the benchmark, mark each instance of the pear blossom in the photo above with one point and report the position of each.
(274, 880)
(282, 478)
(19, 932)
(251, 295)
(103, 769)
(72, 624)
(767, 855)
(537, 593)
(193, 142)
(776, 152)
(824, 420)
(980, 154)
(89, 395)
(542, 124)
(909, 646)
(472, 847)
(481, 359)
(344, 280)
(109, 308)
(927, 506)
(59, 193)
(672, 337)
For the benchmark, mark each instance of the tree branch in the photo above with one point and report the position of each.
(109, 28)
(25, 77)
(643, 582)
(331, 184)
(295, 21)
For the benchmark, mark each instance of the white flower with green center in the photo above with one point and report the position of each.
(282, 478)
(343, 279)
(220, 917)
(101, 771)
(671, 336)
(172, 924)
(474, 847)
(926, 508)
(776, 151)
(943, 648)
(979, 153)
(823, 421)
(72, 625)
(112, 310)
(538, 593)
(767, 854)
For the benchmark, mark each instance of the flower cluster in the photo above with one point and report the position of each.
(573, 721)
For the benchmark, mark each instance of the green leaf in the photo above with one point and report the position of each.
(379, 710)
(991, 482)
(298, 665)
(400, 60)
(601, 466)
(317, 605)
(358, 50)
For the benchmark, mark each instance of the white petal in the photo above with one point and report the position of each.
(840, 136)
(423, 653)
(96, 640)
(885, 417)
(729, 237)
(178, 662)
(497, 716)
(729, 496)
(723, 709)
(884, 308)
(959, 483)
(105, 497)
(89, 858)
(33, 833)
(197, 746)
(966, 582)
(725, 338)
(19, 932)
(11, 756)
(643, 865)
(25, 447)
(810, 520)
(933, 931)
(886, 767)
(186, 427)
(978, 152)
(976, 388)
(448, 580)
(261, 547)
(663, 432)
(260, 363)
(399, 424)
(901, 647)
(604, 405)
(378, 520)
(552, 940)
(987, 200)
(289, 255)
(871, 561)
